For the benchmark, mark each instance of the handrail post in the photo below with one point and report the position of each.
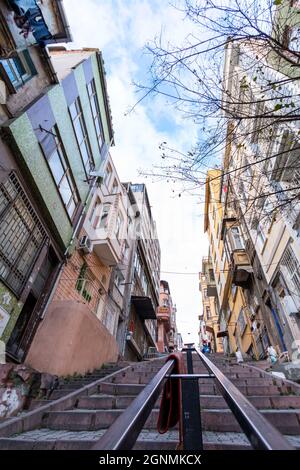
(191, 410)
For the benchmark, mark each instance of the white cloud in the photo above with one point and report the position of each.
(120, 28)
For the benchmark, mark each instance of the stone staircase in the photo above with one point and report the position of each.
(67, 385)
(79, 419)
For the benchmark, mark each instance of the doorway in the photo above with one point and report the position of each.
(29, 318)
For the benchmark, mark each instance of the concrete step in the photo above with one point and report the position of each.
(222, 420)
(206, 389)
(97, 402)
(244, 381)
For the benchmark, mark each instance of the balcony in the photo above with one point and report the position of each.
(242, 268)
(208, 272)
(144, 307)
(105, 229)
(163, 314)
(108, 251)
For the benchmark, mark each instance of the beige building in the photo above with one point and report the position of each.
(209, 320)
(271, 225)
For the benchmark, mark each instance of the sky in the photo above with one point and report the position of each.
(121, 28)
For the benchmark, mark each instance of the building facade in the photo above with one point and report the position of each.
(265, 191)
(166, 320)
(145, 279)
(60, 143)
(28, 251)
(241, 327)
(209, 331)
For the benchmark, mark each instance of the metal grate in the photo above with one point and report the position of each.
(21, 237)
(292, 265)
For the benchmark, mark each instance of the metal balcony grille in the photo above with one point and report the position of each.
(21, 237)
(292, 265)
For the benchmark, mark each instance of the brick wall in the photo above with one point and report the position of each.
(67, 286)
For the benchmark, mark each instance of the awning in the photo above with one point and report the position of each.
(144, 307)
(222, 334)
(209, 328)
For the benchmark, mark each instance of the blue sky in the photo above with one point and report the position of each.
(120, 28)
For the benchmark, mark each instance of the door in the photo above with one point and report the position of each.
(28, 321)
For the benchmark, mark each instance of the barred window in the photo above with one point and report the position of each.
(291, 264)
(22, 235)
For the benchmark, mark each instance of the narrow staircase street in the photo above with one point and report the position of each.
(78, 419)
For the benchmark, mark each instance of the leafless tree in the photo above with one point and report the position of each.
(191, 78)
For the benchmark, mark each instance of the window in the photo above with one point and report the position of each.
(119, 226)
(125, 250)
(119, 281)
(55, 155)
(236, 239)
(81, 135)
(19, 69)
(96, 112)
(292, 266)
(211, 275)
(108, 173)
(94, 215)
(22, 236)
(104, 216)
(242, 321)
(294, 39)
(84, 284)
(208, 313)
(115, 187)
(205, 293)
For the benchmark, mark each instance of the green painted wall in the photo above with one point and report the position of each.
(28, 145)
(100, 96)
(13, 308)
(36, 163)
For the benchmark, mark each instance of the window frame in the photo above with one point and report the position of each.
(26, 62)
(67, 171)
(13, 267)
(97, 116)
(86, 141)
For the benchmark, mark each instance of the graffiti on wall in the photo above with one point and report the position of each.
(29, 19)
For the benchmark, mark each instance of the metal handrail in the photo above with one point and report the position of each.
(262, 434)
(125, 430)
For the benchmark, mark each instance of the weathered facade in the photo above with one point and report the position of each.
(28, 251)
(271, 223)
(60, 144)
(210, 319)
(145, 278)
(166, 320)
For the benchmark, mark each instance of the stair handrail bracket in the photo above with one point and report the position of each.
(123, 433)
(260, 432)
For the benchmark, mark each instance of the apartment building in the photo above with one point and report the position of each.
(25, 73)
(25, 67)
(233, 275)
(60, 143)
(266, 190)
(166, 320)
(145, 281)
(209, 331)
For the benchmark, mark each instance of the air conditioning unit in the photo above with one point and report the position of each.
(85, 244)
